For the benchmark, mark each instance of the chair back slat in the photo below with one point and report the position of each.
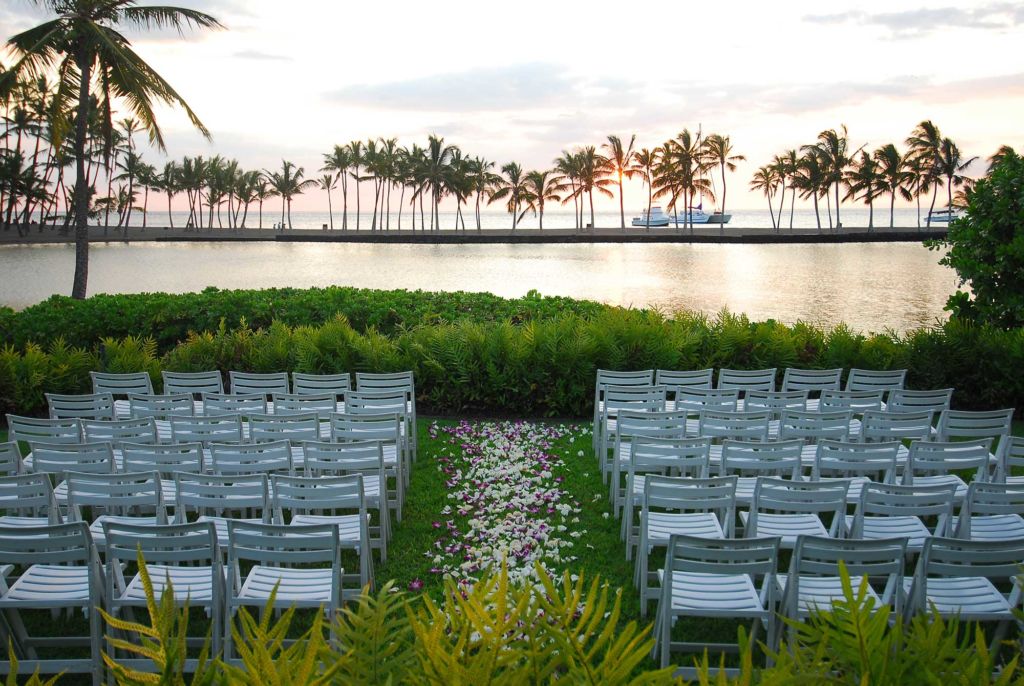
(210, 494)
(29, 495)
(56, 544)
(278, 545)
(934, 457)
(251, 458)
(161, 406)
(87, 406)
(747, 379)
(995, 424)
(121, 384)
(845, 459)
(694, 378)
(120, 431)
(757, 557)
(322, 403)
(10, 459)
(60, 458)
(876, 379)
(315, 384)
(223, 429)
(811, 379)
(854, 401)
(776, 402)
(193, 383)
(193, 543)
(164, 459)
(895, 426)
(696, 400)
(221, 404)
(814, 427)
(249, 383)
(780, 458)
(719, 425)
(689, 457)
(906, 400)
(30, 429)
(294, 427)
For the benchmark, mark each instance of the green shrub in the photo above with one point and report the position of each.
(544, 367)
(169, 318)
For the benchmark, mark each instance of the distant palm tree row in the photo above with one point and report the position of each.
(409, 183)
(822, 169)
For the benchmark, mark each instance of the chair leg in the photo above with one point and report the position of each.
(641, 574)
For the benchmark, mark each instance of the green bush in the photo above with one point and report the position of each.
(544, 367)
(169, 318)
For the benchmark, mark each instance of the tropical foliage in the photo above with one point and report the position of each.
(986, 246)
(543, 366)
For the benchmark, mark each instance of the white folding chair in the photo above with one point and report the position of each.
(933, 462)
(629, 423)
(789, 509)
(705, 508)
(814, 381)
(717, 578)
(689, 457)
(906, 400)
(193, 383)
(230, 404)
(249, 383)
(27, 500)
(223, 429)
(606, 378)
(323, 404)
(992, 512)
(30, 430)
(1011, 459)
(299, 565)
(859, 463)
(386, 401)
(120, 431)
(814, 427)
(234, 459)
(814, 582)
(349, 428)
(120, 385)
(123, 498)
(54, 568)
(335, 500)
(85, 406)
(161, 408)
(885, 380)
(220, 499)
(291, 427)
(896, 426)
(751, 459)
(957, 578)
(745, 380)
(182, 557)
(166, 460)
(370, 382)
(693, 401)
(776, 402)
(315, 384)
(57, 459)
(857, 402)
(362, 457)
(966, 424)
(893, 511)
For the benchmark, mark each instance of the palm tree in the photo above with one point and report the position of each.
(719, 150)
(169, 182)
(590, 177)
(328, 182)
(338, 162)
(811, 179)
(951, 165)
(618, 164)
(766, 180)
(543, 186)
(84, 46)
(263, 192)
(785, 167)
(681, 173)
(438, 157)
(355, 153)
(835, 148)
(893, 168)
(923, 144)
(482, 180)
(568, 165)
(288, 183)
(864, 179)
(513, 188)
(644, 163)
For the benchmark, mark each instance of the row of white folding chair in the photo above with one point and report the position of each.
(58, 567)
(357, 425)
(929, 465)
(137, 498)
(789, 509)
(738, 579)
(280, 456)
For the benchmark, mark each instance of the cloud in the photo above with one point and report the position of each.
(533, 85)
(260, 55)
(925, 20)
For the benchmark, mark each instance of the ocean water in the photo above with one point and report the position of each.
(870, 286)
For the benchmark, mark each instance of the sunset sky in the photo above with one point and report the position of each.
(521, 82)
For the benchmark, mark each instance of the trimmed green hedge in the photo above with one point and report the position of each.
(168, 318)
(543, 367)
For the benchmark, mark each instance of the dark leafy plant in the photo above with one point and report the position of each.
(986, 247)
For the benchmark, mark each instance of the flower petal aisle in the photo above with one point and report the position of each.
(506, 502)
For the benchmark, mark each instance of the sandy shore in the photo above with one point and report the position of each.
(701, 234)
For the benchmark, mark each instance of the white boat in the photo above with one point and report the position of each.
(697, 216)
(719, 218)
(943, 216)
(657, 218)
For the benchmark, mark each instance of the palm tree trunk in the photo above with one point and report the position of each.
(782, 202)
(330, 209)
(817, 215)
(892, 209)
(721, 227)
(170, 218)
(78, 288)
(650, 201)
(928, 219)
(828, 206)
(771, 209)
(839, 222)
(401, 202)
(344, 202)
(591, 194)
(145, 206)
(542, 214)
(478, 194)
(622, 208)
(261, 213)
(357, 198)
(289, 212)
(792, 206)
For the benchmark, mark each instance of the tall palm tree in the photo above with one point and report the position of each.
(568, 165)
(863, 179)
(681, 173)
(785, 167)
(644, 163)
(438, 157)
(338, 162)
(288, 183)
(617, 164)
(263, 192)
(719, 150)
(893, 168)
(811, 179)
(543, 186)
(835, 148)
(482, 180)
(590, 176)
(951, 164)
(923, 144)
(1002, 153)
(355, 152)
(328, 182)
(169, 181)
(514, 189)
(85, 47)
(766, 180)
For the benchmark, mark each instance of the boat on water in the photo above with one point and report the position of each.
(657, 219)
(699, 216)
(943, 216)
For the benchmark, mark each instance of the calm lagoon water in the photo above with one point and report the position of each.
(870, 286)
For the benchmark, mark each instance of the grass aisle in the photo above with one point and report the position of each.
(597, 551)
